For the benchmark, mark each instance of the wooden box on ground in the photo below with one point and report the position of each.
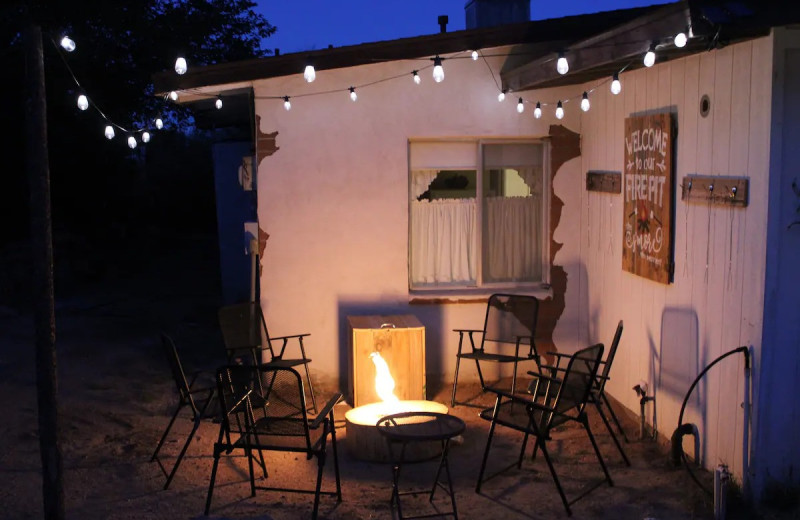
(400, 339)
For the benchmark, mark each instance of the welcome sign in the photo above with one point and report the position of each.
(647, 186)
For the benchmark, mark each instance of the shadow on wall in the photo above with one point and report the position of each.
(429, 315)
(560, 327)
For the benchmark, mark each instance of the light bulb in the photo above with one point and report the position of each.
(145, 137)
(561, 65)
(180, 65)
(520, 106)
(109, 132)
(159, 123)
(585, 102)
(616, 86)
(438, 70)
(474, 55)
(131, 142)
(173, 96)
(501, 96)
(537, 112)
(353, 95)
(417, 79)
(286, 103)
(83, 102)
(218, 103)
(680, 40)
(67, 44)
(309, 74)
(560, 111)
(650, 57)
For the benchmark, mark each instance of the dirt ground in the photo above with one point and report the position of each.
(116, 397)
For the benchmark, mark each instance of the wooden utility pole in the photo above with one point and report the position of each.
(42, 281)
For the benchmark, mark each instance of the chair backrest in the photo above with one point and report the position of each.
(510, 318)
(579, 377)
(178, 375)
(612, 351)
(243, 326)
(271, 397)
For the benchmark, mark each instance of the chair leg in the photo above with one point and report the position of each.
(480, 375)
(555, 476)
(585, 422)
(320, 466)
(611, 432)
(522, 450)
(195, 426)
(514, 379)
(455, 383)
(614, 417)
(249, 453)
(488, 445)
(217, 451)
(166, 432)
(310, 388)
(335, 461)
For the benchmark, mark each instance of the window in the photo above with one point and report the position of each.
(478, 214)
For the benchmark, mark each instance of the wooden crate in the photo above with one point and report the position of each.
(400, 339)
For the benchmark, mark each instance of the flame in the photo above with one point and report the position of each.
(384, 383)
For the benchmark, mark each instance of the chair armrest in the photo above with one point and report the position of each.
(238, 403)
(467, 330)
(285, 339)
(273, 338)
(326, 410)
(544, 376)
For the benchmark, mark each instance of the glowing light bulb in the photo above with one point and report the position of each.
(585, 102)
(353, 95)
(537, 112)
(159, 123)
(416, 77)
(67, 43)
(520, 106)
(173, 96)
(501, 96)
(650, 57)
(131, 142)
(83, 102)
(561, 65)
(180, 65)
(616, 86)
(560, 111)
(474, 55)
(680, 40)
(286, 103)
(109, 132)
(309, 73)
(218, 103)
(438, 70)
(145, 137)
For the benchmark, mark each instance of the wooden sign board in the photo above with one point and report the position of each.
(647, 188)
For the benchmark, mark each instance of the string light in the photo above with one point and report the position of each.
(616, 86)
(537, 112)
(353, 95)
(218, 103)
(438, 70)
(159, 123)
(474, 55)
(562, 66)
(173, 95)
(67, 43)
(680, 40)
(585, 102)
(520, 106)
(309, 73)
(650, 57)
(131, 142)
(83, 102)
(109, 132)
(145, 136)
(559, 110)
(286, 103)
(180, 65)
(501, 96)
(417, 79)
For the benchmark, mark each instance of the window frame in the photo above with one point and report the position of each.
(480, 285)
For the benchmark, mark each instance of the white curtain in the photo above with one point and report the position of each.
(420, 180)
(443, 241)
(512, 238)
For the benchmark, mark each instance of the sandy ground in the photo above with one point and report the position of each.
(116, 397)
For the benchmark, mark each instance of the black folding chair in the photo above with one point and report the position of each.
(510, 321)
(531, 416)
(187, 396)
(245, 329)
(265, 410)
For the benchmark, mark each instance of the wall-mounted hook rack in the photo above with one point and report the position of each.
(717, 190)
(607, 182)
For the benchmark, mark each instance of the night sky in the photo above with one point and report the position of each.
(314, 24)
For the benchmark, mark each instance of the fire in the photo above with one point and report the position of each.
(384, 382)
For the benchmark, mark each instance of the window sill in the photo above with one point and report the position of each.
(476, 295)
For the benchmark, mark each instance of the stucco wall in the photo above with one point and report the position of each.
(333, 199)
(716, 301)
